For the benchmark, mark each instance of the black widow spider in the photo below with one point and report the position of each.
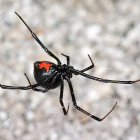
(49, 76)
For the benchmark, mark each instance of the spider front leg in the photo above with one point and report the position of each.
(39, 41)
(82, 110)
(61, 99)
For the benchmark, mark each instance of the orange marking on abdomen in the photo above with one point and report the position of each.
(45, 65)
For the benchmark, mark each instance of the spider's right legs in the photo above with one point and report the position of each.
(68, 59)
(82, 110)
(90, 67)
(83, 70)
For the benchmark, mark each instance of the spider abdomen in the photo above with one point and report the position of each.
(44, 73)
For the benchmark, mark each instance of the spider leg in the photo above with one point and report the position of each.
(77, 72)
(18, 87)
(83, 70)
(82, 110)
(32, 87)
(68, 58)
(39, 41)
(46, 89)
(90, 67)
(65, 111)
(15, 87)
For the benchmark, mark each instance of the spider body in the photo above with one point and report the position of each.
(44, 69)
(49, 75)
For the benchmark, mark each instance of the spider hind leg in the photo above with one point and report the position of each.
(82, 110)
(65, 111)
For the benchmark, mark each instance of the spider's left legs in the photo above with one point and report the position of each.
(18, 87)
(65, 111)
(39, 41)
(15, 87)
(54, 76)
(32, 87)
(82, 110)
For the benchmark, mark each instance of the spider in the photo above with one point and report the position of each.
(49, 75)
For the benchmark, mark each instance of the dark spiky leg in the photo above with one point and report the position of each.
(65, 111)
(82, 110)
(39, 41)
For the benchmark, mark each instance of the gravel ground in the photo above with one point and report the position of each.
(109, 31)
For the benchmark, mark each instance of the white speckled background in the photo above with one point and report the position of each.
(108, 30)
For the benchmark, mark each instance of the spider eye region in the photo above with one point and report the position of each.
(46, 66)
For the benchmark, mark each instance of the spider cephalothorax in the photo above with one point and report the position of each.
(49, 75)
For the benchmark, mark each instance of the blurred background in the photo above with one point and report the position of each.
(108, 30)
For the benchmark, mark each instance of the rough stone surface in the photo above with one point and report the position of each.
(108, 30)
